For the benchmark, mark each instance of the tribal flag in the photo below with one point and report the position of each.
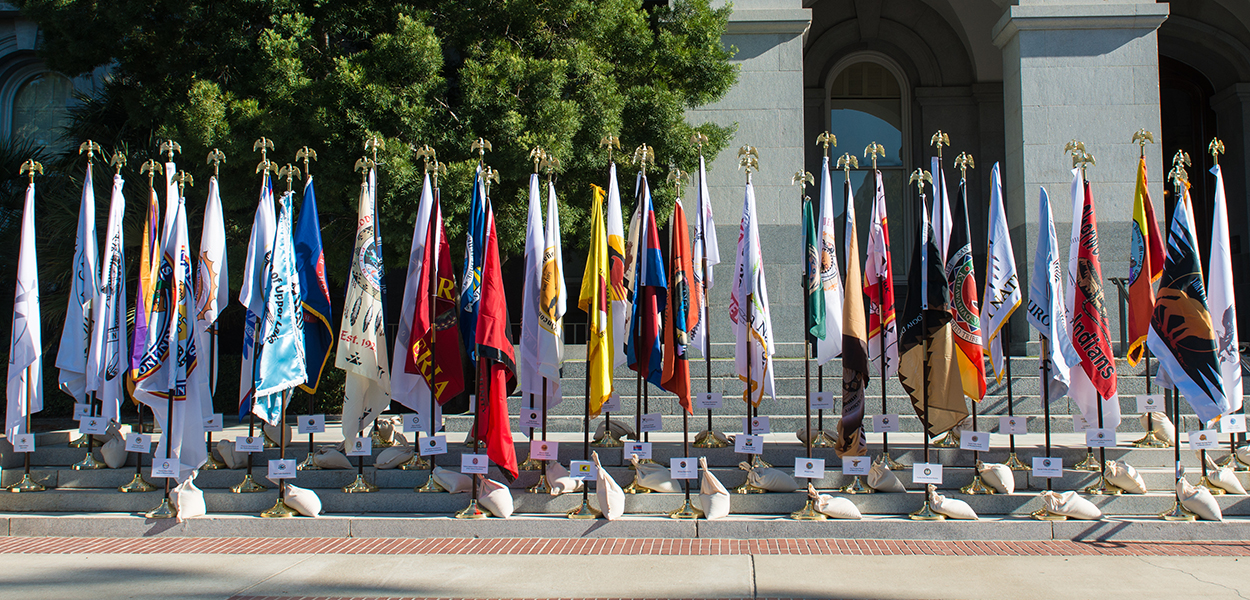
(830, 280)
(434, 352)
(812, 288)
(410, 388)
(1046, 312)
(149, 260)
(280, 362)
(496, 358)
(1145, 267)
(1090, 333)
(681, 312)
(965, 311)
(212, 284)
(595, 301)
(942, 220)
(531, 381)
(617, 294)
(1221, 298)
(1002, 284)
(706, 252)
(879, 288)
(109, 360)
(471, 276)
(71, 357)
(1182, 334)
(252, 294)
(24, 382)
(362, 337)
(650, 286)
(851, 440)
(748, 309)
(310, 259)
(926, 318)
(552, 302)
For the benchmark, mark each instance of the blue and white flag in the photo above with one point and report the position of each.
(71, 357)
(1046, 312)
(24, 381)
(706, 249)
(280, 358)
(749, 310)
(109, 356)
(470, 286)
(252, 294)
(830, 346)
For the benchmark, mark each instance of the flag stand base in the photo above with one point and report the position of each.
(531, 464)
(1232, 462)
(634, 488)
(926, 512)
(710, 439)
(584, 511)
(1151, 440)
(609, 440)
(757, 462)
(248, 486)
(1042, 514)
(950, 440)
(360, 486)
(471, 512)
(856, 486)
(977, 487)
(808, 512)
(890, 463)
(747, 488)
(280, 510)
(1089, 463)
(137, 485)
(164, 511)
(378, 442)
(687, 511)
(823, 440)
(308, 464)
(1103, 488)
(212, 464)
(81, 442)
(1214, 489)
(88, 464)
(1013, 463)
(416, 463)
(469, 442)
(430, 487)
(542, 487)
(1178, 513)
(270, 443)
(26, 485)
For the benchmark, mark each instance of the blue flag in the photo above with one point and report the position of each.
(642, 347)
(280, 363)
(252, 293)
(470, 287)
(310, 260)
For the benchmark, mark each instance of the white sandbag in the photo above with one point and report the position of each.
(1162, 425)
(495, 497)
(188, 500)
(721, 437)
(1224, 478)
(802, 435)
(329, 457)
(272, 433)
(113, 452)
(393, 457)
(620, 429)
(453, 482)
(998, 476)
(833, 506)
(113, 430)
(713, 497)
(1198, 500)
(951, 507)
(232, 459)
(1125, 477)
(655, 477)
(610, 495)
(1243, 454)
(1071, 505)
(305, 501)
(769, 479)
(559, 480)
(881, 479)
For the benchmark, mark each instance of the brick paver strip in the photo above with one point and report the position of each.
(73, 545)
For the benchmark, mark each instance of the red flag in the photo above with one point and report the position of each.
(496, 358)
(683, 312)
(1090, 333)
(445, 372)
(1145, 267)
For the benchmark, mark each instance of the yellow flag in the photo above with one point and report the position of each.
(594, 300)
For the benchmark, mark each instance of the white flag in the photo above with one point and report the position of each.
(941, 219)
(1046, 312)
(24, 384)
(1002, 284)
(748, 309)
(879, 287)
(252, 294)
(531, 327)
(705, 247)
(109, 357)
(617, 261)
(830, 278)
(212, 284)
(1221, 299)
(71, 357)
(552, 303)
(1080, 389)
(410, 389)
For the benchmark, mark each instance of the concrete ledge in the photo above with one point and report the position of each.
(123, 525)
(879, 528)
(779, 20)
(1077, 16)
(528, 526)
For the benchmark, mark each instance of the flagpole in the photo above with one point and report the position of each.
(89, 462)
(1042, 514)
(138, 484)
(472, 511)
(874, 149)
(1013, 461)
(250, 485)
(641, 155)
(432, 486)
(1178, 512)
(1151, 439)
(749, 159)
(306, 154)
(708, 438)
(166, 510)
(584, 511)
(216, 157)
(418, 462)
(925, 512)
(28, 484)
(803, 179)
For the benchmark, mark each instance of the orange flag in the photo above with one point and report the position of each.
(683, 310)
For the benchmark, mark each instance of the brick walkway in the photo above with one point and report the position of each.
(69, 545)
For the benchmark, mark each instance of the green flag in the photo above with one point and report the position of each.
(811, 277)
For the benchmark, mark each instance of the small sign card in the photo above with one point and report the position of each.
(1047, 466)
(317, 424)
(683, 468)
(81, 411)
(530, 418)
(642, 449)
(1149, 403)
(759, 425)
(926, 473)
(93, 425)
(249, 443)
(1100, 438)
(361, 446)
(582, 469)
(472, 404)
(213, 423)
(282, 469)
(474, 464)
(809, 468)
(978, 441)
(822, 400)
(24, 442)
(651, 422)
(885, 423)
(1013, 425)
(431, 445)
(1205, 439)
(163, 468)
(137, 442)
(708, 400)
(412, 423)
(544, 450)
(748, 444)
(1079, 424)
(855, 465)
(1234, 423)
(612, 405)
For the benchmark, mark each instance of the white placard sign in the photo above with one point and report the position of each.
(213, 423)
(317, 423)
(433, 444)
(472, 404)
(1079, 424)
(651, 422)
(474, 464)
(683, 468)
(821, 400)
(1205, 439)
(884, 423)
(759, 425)
(412, 423)
(809, 468)
(282, 469)
(583, 470)
(642, 449)
(1100, 438)
(748, 444)
(93, 425)
(81, 411)
(361, 446)
(1149, 403)
(138, 442)
(708, 400)
(24, 442)
(165, 467)
(544, 450)
(1013, 425)
(855, 465)
(1047, 466)
(249, 443)
(926, 473)
(613, 404)
(531, 418)
(978, 441)
(1234, 423)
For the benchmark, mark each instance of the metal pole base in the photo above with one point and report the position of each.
(1090, 463)
(584, 512)
(634, 488)
(1214, 489)
(270, 443)
(1103, 488)
(308, 464)
(280, 511)
(531, 464)
(926, 513)
(977, 487)
(1152, 439)
(430, 487)
(856, 486)
(468, 442)
(542, 487)
(378, 442)
(1013, 462)
(26, 485)
(1232, 462)
(248, 486)
(88, 464)
(471, 512)
(416, 463)
(212, 464)
(687, 511)
(709, 439)
(747, 488)
(808, 513)
(823, 440)
(1178, 513)
(360, 486)
(757, 462)
(609, 440)
(1042, 514)
(81, 442)
(890, 463)
(138, 484)
(947, 441)
(164, 511)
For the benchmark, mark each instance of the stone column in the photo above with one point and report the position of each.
(1232, 117)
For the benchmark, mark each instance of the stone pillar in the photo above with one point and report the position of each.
(1079, 71)
(1232, 117)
